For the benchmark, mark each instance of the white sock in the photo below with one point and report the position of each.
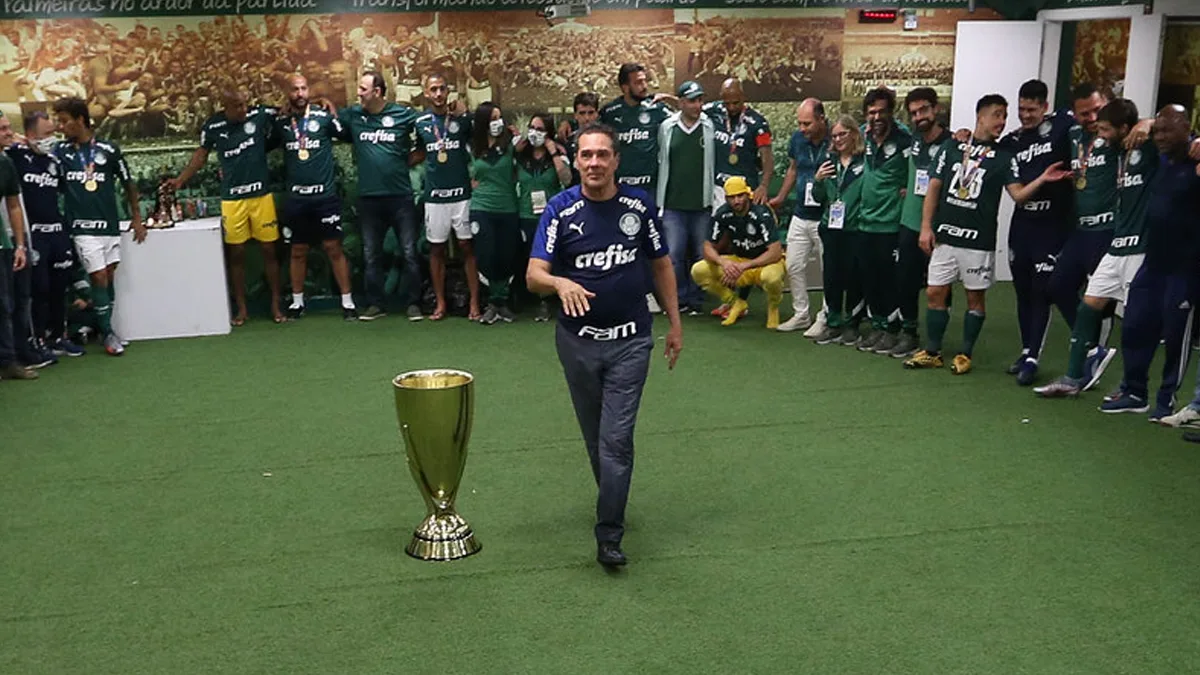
(297, 299)
(347, 301)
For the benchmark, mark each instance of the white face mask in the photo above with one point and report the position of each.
(537, 138)
(495, 127)
(44, 146)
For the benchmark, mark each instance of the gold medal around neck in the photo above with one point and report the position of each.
(303, 154)
(442, 157)
(733, 159)
(91, 185)
(963, 192)
(1081, 183)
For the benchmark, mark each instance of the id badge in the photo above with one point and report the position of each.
(837, 215)
(809, 200)
(922, 183)
(538, 199)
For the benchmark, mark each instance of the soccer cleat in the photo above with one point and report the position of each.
(64, 347)
(849, 336)
(490, 316)
(1016, 365)
(906, 346)
(1028, 372)
(1189, 418)
(505, 314)
(886, 343)
(112, 345)
(797, 322)
(1093, 367)
(923, 359)
(720, 312)
(1160, 413)
(867, 344)
(1063, 387)
(831, 335)
(772, 318)
(543, 312)
(295, 312)
(414, 313)
(350, 314)
(1125, 403)
(371, 313)
(818, 327)
(735, 312)
(961, 364)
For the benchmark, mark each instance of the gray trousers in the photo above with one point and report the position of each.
(606, 380)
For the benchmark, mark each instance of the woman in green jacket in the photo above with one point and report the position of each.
(543, 170)
(841, 193)
(494, 208)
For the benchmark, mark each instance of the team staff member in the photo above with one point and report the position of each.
(382, 134)
(748, 231)
(444, 137)
(884, 181)
(40, 177)
(91, 168)
(840, 190)
(806, 151)
(312, 212)
(241, 138)
(596, 247)
(13, 259)
(494, 221)
(911, 262)
(542, 172)
(1042, 224)
(959, 223)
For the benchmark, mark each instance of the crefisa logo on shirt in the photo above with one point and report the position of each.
(630, 224)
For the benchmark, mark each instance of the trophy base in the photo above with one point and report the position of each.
(444, 536)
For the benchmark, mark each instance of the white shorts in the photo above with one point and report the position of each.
(97, 252)
(1113, 275)
(441, 219)
(949, 264)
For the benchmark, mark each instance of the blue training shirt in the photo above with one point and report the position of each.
(39, 175)
(606, 247)
(1173, 217)
(1035, 150)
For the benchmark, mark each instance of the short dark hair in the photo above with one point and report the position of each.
(990, 100)
(31, 118)
(586, 98)
(626, 72)
(926, 94)
(880, 94)
(1035, 90)
(435, 76)
(602, 129)
(1083, 90)
(1120, 112)
(75, 107)
(377, 81)
(818, 109)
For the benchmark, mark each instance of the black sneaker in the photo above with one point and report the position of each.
(906, 345)
(295, 312)
(350, 314)
(64, 347)
(1028, 372)
(831, 335)
(505, 314)
(414, 313)
(849, 336)
(371, 313)
(1016, 365)
(543, 312)
(886, 343)
(490, 316)
(610, 555)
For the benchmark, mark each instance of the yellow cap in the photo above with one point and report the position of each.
(736, 185)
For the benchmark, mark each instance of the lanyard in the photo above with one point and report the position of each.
(301, 134)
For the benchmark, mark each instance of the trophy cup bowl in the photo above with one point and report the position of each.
(435, 409)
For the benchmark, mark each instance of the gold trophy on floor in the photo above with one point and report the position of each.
(435, 409)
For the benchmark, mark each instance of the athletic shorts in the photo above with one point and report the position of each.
(253, 217)
(442, 219)
(97, 252)
(1113, 275)
(951, 263)
(312, 221)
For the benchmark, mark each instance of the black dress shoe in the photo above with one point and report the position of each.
(610, 555)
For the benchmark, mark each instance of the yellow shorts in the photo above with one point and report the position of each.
(251, 217)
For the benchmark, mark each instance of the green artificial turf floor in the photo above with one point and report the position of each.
(795, 509)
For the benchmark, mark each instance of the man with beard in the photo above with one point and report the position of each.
(241, 137)
(312, 212)
(636, 117)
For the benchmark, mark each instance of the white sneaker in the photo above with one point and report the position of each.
(818, 327)
(653, 304)
(797, 322)
(1184, 418)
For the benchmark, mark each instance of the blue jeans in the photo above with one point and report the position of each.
(376, 215)
(686, 233)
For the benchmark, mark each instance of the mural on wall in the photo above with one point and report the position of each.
(1101, 49)
(1180, 79)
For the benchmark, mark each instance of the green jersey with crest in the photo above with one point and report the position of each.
(886, 174)
(241, 149)
(1094, 161)
(1135, 170)
(973, 177)
(921, 159)
(740, 139)
(382, 142)
(308, 152)
(91, 212)
(749, 234)
(448, 137)
(637, 130)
